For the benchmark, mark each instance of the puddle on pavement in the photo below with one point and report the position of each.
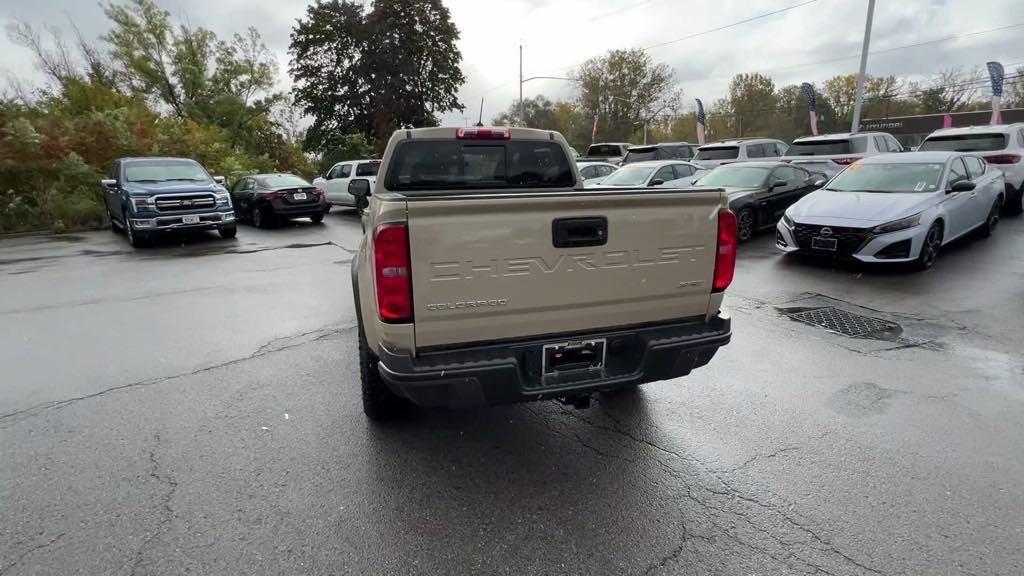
(863, 399)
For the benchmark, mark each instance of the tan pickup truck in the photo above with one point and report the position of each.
(488, 275)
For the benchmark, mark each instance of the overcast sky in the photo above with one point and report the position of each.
(558, 34)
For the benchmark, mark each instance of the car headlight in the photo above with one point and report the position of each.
(787, 220)
(144, 203)
(896, 225)
(223, 199)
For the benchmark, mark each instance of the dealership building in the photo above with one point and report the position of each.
(911, 130)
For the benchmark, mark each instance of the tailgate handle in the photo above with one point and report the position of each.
(577, 232)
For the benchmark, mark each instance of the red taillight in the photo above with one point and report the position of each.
(391, 270)
(483, 134)
(725, 252)
(320, 192)
(1002, 159)
(845, 161)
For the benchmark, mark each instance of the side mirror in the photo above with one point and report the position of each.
(359, 188)
(656, 182)
(219, 180)
(779, 184)
(962, 186)
(108, 183)
(820, 182)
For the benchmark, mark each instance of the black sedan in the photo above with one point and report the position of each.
(759, 192)
(264, 199)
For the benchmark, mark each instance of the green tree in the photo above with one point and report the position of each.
(752, 102)
(1013, 91)
(348, 147)
(192, 72)
(539, 113)
(625, 88)
(395, 65)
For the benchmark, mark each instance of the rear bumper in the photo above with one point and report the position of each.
(509, 373)
(282, 208)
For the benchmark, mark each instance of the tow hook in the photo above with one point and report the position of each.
(579, 402)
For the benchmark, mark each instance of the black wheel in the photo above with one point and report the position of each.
(1015, 202)
(260, 219)
(930, 249)
(746, 224)
(317, 218)
(379, 402)
(134, 239)
(227, 232)
(992, 222)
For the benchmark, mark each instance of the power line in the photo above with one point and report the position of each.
(709, 31)
(873, 52)
(667, 42)
(751, 19)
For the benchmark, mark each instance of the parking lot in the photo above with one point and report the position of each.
(193, 407)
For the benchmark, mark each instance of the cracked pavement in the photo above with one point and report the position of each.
(194, 409)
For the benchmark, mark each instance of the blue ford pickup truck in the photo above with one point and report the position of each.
(146, 197)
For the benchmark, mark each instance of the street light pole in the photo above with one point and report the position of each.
(855, 125)
(522, 119)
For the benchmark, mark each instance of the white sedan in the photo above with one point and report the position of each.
(594, 172)
(663, 173)
(896, 208)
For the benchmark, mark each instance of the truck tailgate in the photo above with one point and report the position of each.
(487, 267)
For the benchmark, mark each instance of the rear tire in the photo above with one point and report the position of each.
(380, 404)
(317, 218)
(1015, 202)
(746, 224)
(260, 219)
(228, 232)
(992, 222)
(930, 250)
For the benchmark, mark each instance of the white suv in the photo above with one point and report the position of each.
(335, 182)
(1001, 146)
(739, 150)
(829, 154)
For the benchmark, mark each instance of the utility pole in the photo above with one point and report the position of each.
(522, 118)
(855, 125)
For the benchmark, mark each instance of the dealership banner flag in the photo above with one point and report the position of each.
(809, 94)
(996, 74)
(701, 121)
(593, 133)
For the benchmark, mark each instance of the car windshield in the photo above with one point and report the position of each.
(367, 169)
(629, 176)
(738, 176)
(825, 147)
(718, 153)
(965, 143)
(896, 177)
(165, 171)
(282, 181)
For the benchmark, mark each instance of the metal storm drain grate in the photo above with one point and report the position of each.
(844, 322)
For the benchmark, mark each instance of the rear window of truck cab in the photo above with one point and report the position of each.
(456, 165)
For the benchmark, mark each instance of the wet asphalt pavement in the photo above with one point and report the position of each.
(194, 409)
